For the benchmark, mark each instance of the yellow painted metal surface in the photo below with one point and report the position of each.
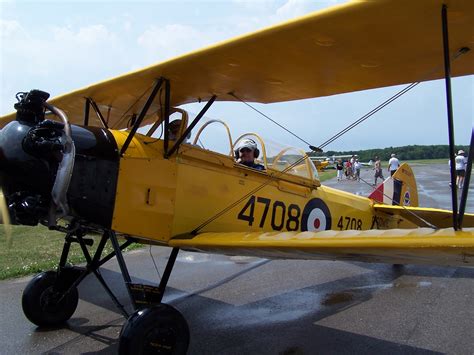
(201, 200)
(145, 197)
(409, 192)
(437, 217)
(158, 198)
(355, 46)
(421, 245)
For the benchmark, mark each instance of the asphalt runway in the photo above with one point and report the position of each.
(238, 305)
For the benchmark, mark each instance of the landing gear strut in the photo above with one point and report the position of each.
(51, 298)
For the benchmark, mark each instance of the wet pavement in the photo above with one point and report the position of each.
(237, 305)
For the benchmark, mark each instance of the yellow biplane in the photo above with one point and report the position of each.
(89, 172)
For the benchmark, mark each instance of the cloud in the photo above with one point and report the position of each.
(293, 8)
(171, 40)
(10, 29)
(85, 36)
(57, 59)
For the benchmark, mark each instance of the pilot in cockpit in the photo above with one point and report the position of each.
(246, 153)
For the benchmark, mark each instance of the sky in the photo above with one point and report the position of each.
(60, 46)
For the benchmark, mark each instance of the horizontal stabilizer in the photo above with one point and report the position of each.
(423, 217)
(398, 246)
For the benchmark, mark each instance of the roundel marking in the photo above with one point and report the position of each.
(316, 216)
(406, 198)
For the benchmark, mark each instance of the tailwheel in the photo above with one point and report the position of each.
(44, 304)
(160, 329)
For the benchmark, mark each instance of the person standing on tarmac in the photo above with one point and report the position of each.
(460, 162)
(340, 169)
(393, 164)
(357, 166)
(378, 170)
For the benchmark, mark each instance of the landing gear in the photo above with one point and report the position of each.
(153, 328)
(45, 303)
(160, 329)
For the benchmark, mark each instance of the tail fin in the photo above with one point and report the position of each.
(400, 189)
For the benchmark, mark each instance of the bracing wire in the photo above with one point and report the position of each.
(154, 263)
(312, 147)
(271, 178)
(406, 209)
(317, 149)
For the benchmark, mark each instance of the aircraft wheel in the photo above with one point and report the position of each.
(159, 329)
(40, 301)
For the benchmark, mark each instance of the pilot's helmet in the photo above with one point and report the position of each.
(393, 155)
(173, 129)
(461, 152)
(249, 144)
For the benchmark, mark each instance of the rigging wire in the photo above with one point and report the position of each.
(154, 263)
(406, 209)
(312, 147)
(272, 177)
(299, 161)
(368, 114)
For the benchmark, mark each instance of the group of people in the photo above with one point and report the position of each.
(351, 169)
(247, 152)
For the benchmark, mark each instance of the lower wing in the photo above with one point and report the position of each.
(397, 246)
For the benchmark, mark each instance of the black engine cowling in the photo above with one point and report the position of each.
(31, 149)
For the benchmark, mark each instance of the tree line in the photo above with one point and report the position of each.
(408, 152)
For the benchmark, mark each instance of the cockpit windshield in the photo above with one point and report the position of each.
(266, 155)
(294, 161)
(249, 150)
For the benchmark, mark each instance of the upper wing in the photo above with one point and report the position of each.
(355, 46)
(398, 246)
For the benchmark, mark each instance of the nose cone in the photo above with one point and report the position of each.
(25, 179)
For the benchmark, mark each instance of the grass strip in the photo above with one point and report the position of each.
(36, 249)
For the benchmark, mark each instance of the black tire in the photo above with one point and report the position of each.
(159, 329)
(40, 304)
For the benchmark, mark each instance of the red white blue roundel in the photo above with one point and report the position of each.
(406, 198)
(316, 216)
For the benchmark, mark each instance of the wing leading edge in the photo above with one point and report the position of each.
(398, 246)
(355, 46)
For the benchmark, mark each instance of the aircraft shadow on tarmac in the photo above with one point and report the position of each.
(267, 325)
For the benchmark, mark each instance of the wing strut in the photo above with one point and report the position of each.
(467, 179)
(191, 126)
(449, 103)
(87, 109)
(142, 115)
(97, 112)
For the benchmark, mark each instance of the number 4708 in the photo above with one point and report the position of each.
(279, 214)
(349, 223)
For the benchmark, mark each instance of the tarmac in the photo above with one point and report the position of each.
(239, 305)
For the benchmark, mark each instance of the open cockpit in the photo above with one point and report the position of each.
(274, 158)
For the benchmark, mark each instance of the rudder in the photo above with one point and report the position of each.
(400, 189)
